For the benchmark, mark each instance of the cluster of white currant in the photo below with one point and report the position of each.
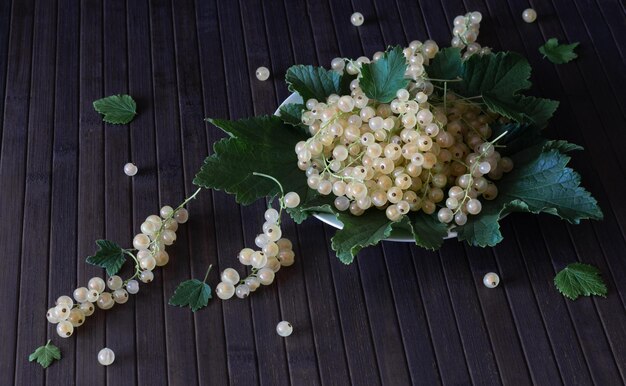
(275, 252)
(465, 33)
(401, 156)
(157, 232)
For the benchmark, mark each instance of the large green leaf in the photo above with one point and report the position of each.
(539, 182)
(525, 109)
(361, 231)
(427, 230)
(446, 64)
(313, 82)
(381, 79)
(264, 145)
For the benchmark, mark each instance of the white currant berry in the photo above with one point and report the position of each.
(292, 199)
(65, 329)
(284, 329)
(491, 280)
(132, 287)
(225, 291)
(106, 356)
(529, 15)
(271, 215)
(80, 294)
(161, 258)
(153, 218)
(51, 316)
(146, 276)
(105, 301)
(62, 311)
(245, 256)
(258, 259)
(273, 263)
(286, 258)
(92, 296)
(229, 275)
(266, 276)
(130, 169)
(115, 282)
(148, 263)
(87, 308)
(252, 282)
(120, 296)
(168, 237)
(242, 291)
(181, 216)
(77, 317)
(141, 241)
(262, 73)
(357, 19)
(284, 244)
(65, 300)
(273, 232)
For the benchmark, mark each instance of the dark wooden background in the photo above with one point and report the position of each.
(399, 315)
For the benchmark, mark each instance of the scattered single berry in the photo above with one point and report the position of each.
(130, 169)
(106, 356)
(357, 19)
(262, 73)
(491, 280)
(284, 329)
(529, 15)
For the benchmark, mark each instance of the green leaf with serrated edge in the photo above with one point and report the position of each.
(427, 231)
(579, 279)
(518, 137)
(117, 109)
(292, 113)
(45, 355)
(344, 84)
(562, 146)
(313, 82)
(193, 293)
(264, 145)
(109, 256)
(359, 232)
(526, 109)
(558, 53)
(446, 64)
(539, 182)
(381, 79)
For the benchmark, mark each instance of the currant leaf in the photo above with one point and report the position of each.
(109, 256)
(579, 279)
(313, 82)
(117, 109)
(381, 79)
(427, 230)
(558, 53)
(446, 64)
(45, 355)
(192, 293)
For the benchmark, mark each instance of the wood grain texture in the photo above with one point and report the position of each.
(399, 315)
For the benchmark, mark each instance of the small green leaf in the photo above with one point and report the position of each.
(313, 82)
(109, 256)
(117, 109)
(381, 79)
(360, 231)
(313, 202)
(579, 279)
(263, 145)
(45, 355)
(427, 230)
(193, 293)
(558, 53)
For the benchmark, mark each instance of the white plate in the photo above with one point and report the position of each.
(400, 235)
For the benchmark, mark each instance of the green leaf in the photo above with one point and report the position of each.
(381, 79)
(313, 82)
(446, 64)
(45, 355)
(109, 256)
(558, 53)
(360, 231)
(313, 202)
(519, 136)
(539, 182)
(292, 113)
(193, 293)
(428, 231)
(117, 109)
(499, 78)
(579, 279)
(262, 144)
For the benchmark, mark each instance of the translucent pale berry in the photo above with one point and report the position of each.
(65, 329)
(106, 356)
(284, 328)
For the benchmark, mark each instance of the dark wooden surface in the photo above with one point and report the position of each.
(399, 315)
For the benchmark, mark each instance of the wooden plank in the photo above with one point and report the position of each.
(32, 327)
(150, 343)
(210, 345)
(5, 29)
(91, 201)
(117, 187)
(179, 323)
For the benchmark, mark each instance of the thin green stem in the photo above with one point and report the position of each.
(207, 273)
(281, 200)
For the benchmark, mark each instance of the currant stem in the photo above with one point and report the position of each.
(282, 193)
(207, 273)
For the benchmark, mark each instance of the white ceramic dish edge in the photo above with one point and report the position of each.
(330, 219)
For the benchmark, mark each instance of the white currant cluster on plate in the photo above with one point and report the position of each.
(149, 253)
(422, 151)
(273, 252)
(465, 33)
